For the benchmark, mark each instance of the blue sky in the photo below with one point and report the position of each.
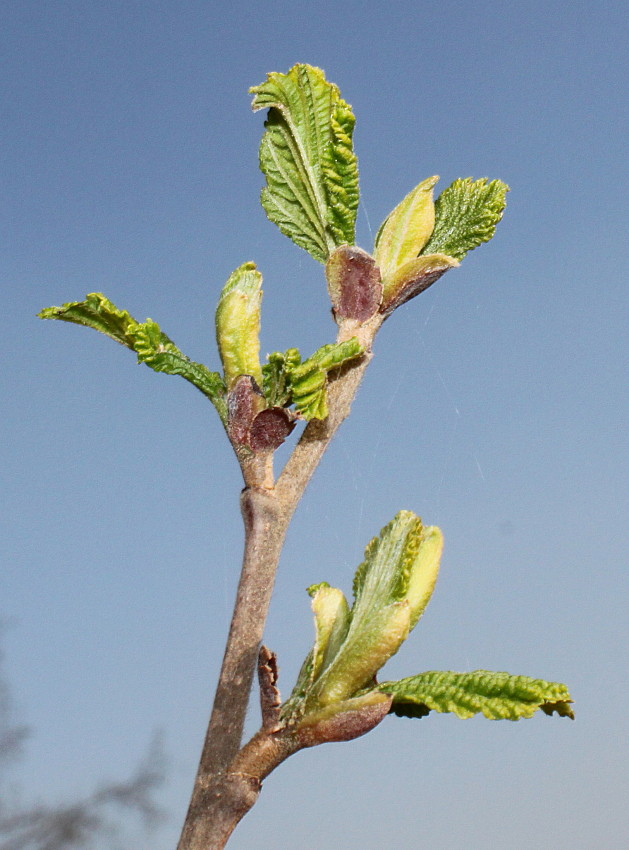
(496, 405)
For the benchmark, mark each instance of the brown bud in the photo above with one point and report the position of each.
(353, 283)
(269, 429)
(244, 402)
(344, 721)
(412, 278)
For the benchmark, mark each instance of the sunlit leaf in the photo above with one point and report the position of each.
(276, 371)
(406, 230)
(392, 587)
(499, 696)
(309, 379)
(306, 155)
(466, 215)
(238, 324)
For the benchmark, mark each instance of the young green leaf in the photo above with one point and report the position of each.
(306, 155)
(401, 563)
(392, 587)
(151, 345)
(238, 324)
(308, 380)
(155, 349)
(466, 215)
(331, 623)
(276, 371)
(499, 696)
(406, 230)
(99, 313)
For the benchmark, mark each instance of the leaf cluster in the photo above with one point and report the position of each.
(392, 587)
(311, 193)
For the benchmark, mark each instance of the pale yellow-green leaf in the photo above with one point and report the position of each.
(238, 324)
(406, 229)
(363, 653)
(392, 588)
(423, 574)
(331, 621)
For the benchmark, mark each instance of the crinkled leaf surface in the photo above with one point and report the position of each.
(499, 696)
(151, 344)
(466, 215)
(401, 563)
(276, 384)
(99, 313)
(392, 587)
(309, 379)
(306, 155)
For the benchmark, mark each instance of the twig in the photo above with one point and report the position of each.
(226, 785)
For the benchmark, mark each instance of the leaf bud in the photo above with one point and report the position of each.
(238, 324)
(353, 283)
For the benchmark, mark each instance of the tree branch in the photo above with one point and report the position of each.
(224, 789)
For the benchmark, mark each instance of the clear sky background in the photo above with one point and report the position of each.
(496, 406)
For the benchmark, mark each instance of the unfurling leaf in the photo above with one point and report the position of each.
(306, 155)
(499, 696)
(466, 215)
(276, 377)
(151, 344)
(412, 278)
(402, 563)
(353, 284)
(309, 379)
(332, 620)
(99, 313)
(238, 324)
(286, 380)
(405, 231)
(392, 587)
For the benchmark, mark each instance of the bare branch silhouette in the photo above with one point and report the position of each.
(80, 824)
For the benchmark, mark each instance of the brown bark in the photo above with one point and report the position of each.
(229, 779)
